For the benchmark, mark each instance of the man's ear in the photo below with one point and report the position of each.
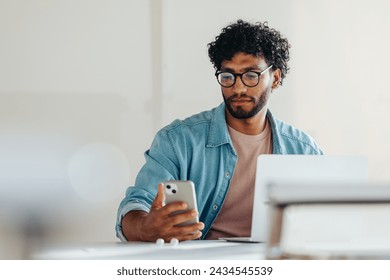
(277, 78)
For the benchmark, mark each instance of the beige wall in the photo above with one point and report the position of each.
(74, 73)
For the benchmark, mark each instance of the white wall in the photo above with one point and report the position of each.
(77, 72)
(72, 73)
(336, 87)
(340, 69)
(188, 26)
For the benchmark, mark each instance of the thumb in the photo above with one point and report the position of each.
(158, 201)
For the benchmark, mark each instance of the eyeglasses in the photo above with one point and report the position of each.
(248, 78)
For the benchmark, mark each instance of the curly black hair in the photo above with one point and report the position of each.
(255, 39)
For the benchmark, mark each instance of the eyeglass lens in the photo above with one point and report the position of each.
(249, 78)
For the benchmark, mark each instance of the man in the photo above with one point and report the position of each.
(217, 149)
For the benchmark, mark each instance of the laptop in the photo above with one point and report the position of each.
(297, 168)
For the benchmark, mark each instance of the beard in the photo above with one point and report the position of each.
(241, 113)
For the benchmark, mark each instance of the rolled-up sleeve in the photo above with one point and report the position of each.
(160, 165)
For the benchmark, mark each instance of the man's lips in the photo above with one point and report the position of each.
(240, 101)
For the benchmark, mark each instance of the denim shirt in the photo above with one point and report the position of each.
(200, 149)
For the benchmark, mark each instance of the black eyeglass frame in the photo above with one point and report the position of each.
(240, 75)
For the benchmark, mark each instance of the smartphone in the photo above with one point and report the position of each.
(181, 191)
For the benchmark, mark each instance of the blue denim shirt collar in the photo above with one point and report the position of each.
(276, 141)
(218, 133)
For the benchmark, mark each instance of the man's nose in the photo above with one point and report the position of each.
(239, 86)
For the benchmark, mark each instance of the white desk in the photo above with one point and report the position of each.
(189, 250)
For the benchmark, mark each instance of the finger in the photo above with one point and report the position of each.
(193, 236)
(186, 229)
(195, 227)
(158, 201)
(182, 232)
(182, 217)
(190, 236)
(168, 209)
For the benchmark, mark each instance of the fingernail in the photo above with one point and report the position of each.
(194, 213)
(201, 227)
(184, 205)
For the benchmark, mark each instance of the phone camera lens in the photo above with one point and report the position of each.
(174, 191)
(168, 187)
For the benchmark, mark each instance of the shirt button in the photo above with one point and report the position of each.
(215, 206)
(227, 174)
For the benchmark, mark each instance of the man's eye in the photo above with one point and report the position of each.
(251, 75)
(226, 77)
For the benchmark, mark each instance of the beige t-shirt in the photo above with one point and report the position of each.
(236, 213)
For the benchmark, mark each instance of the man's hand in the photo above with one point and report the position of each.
(160, 223)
